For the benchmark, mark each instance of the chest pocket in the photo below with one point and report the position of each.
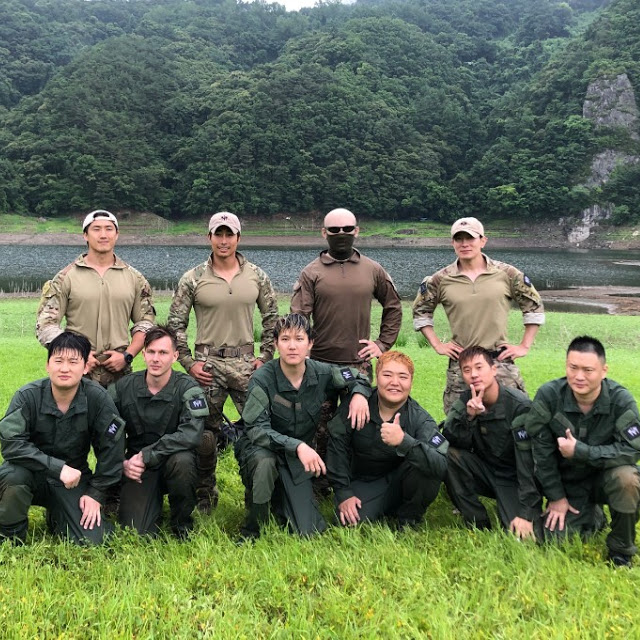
(284, 414)
(559, 425)
(72, 435)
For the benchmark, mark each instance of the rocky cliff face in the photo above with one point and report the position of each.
(610, 102)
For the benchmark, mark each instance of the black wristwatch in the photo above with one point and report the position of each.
(128, 358)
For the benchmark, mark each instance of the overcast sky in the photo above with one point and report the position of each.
(294, 5)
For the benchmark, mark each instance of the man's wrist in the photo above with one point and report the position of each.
(128, 358)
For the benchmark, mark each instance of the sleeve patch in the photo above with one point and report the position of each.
(527, 280)
(521, 435)
(195, 404)
(423, 288)
(347, 374)
(437, 440)
(632, 432)
(114, 430)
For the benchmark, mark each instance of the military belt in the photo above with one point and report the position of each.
(224, 352)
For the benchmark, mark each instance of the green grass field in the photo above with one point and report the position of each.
(442, 581)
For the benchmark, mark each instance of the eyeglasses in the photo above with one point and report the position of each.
(348, 229)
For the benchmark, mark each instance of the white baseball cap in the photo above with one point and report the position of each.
(98, 213)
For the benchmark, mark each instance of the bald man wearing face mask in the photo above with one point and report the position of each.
(336, 291)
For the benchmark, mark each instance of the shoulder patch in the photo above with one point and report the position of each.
(347, 374)
(632, 432)
(196, 402)
(526, 280)
(423, 287)
(115, 428)
(436, 440)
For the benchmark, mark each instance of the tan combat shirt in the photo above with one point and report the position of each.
(337, 295)
(224, 311)
(100, 308)
(478, 311)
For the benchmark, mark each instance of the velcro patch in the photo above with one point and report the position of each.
(347, 374)
(423, 288)
(526, 280)
(112, 429)
(632, 432)
(521, 435)
(195, 404)
(437, 440)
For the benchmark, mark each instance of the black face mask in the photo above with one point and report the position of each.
(341, 245)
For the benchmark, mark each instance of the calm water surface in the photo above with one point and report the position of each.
(26, 268)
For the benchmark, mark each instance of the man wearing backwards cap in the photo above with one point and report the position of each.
(223, 292)
(476, 294)
(99, 295)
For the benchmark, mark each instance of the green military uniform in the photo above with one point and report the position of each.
(478, 314)
(224, 341)
(490, 455)
(98, 307)
(278, 418)
(397, 481)
(37, 440)
(166, 428)
(603, 467)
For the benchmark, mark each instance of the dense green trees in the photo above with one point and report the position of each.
(403, 108)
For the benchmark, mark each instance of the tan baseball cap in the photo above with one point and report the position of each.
(98, 213)
(472, 226)
(224, 219)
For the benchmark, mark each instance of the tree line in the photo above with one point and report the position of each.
(396, 108)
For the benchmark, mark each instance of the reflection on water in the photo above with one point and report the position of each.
(26, 268)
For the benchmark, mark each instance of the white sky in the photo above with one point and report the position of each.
(294, 5)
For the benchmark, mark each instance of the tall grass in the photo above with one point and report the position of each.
(441, 581)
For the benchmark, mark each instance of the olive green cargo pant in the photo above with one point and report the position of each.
(20, 488)
(141, 503)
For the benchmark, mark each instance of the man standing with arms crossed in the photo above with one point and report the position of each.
(476, 293)
(99, 295)
(223, 292)
(335, 291)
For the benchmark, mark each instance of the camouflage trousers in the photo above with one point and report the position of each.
(230, 378)
(508, 375)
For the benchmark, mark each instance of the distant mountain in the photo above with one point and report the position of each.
(409, 109)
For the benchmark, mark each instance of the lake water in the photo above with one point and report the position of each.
(26, 268)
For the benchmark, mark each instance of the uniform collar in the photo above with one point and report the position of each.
(454, 269)
(309, 379)
(117, 263)
(78, 404)
(241, 261)
(143, 389)
(602, 405)
(326, 258)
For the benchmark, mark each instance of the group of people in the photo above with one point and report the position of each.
(311, 413)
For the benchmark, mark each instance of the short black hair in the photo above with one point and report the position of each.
(295, 321)
(69, 341)
(160, 331)
(472, 352)
(587, 344)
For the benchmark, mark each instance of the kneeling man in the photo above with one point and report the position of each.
(586, 445)
(46, 435)
(395, 464)
(284, 402)
(490, 452)
(164, 411)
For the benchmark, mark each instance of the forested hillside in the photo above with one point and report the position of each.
(395, 108)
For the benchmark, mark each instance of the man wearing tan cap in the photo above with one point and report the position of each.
(223, 292)
(476, 293)
(99, 295)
